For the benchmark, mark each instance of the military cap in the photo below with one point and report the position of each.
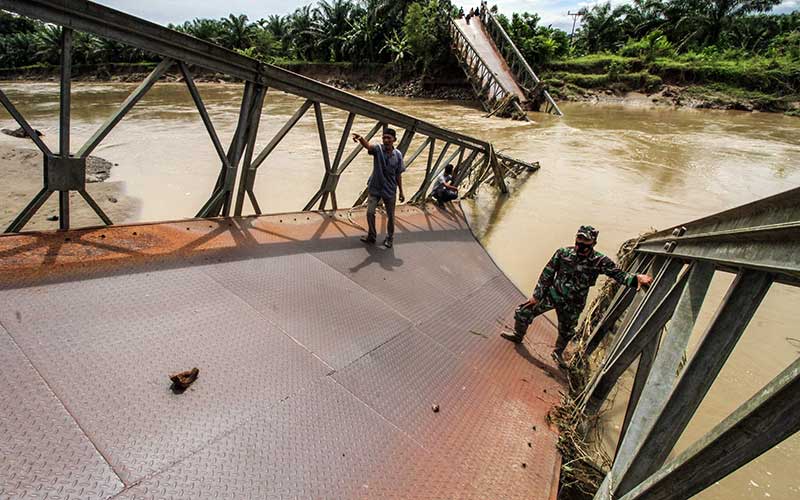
(588, 232)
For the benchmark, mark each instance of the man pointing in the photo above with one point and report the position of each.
(386, 179)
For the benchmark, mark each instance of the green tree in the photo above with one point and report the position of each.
(331, 24)
(302, 34)
(601, 29)
(427, 34)
(397, 45)
(236, 32)
(278, 27)
(702, 22)
(47, 44)
(209, 30)
(13, 24)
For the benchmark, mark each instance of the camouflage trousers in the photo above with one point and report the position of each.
(567, 319)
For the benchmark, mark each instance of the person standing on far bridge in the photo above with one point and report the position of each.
(386, 179)
(564, 285)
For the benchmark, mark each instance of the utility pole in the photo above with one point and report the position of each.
(575, 16)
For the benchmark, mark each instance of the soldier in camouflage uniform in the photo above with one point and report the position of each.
(564, 285)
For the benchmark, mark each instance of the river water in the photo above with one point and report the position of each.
(624, 169)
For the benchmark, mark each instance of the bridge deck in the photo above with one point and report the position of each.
(483, 44)
(320, 360)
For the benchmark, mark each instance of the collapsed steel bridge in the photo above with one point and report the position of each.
(476, 161)
(760, 244)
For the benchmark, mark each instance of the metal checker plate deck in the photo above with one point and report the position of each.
(43, 453)
(106, 347)
(316, 380)
(319, 308)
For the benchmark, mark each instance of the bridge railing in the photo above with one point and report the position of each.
(526, 78)
(65, 171)
(760, 244)
(487, 86)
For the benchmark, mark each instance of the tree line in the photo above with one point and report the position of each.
(414, 34)
(663, 28)
(410, 33)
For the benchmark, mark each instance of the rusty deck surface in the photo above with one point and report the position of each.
(320, 360)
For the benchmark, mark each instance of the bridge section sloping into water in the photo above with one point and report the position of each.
(502, 79)
(482, 42)
(320, 362)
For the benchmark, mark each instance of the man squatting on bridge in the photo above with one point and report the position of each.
(386, 178)
(564, 285)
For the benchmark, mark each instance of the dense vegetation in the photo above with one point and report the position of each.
(723, 44)
(410, 33)
(730, 46)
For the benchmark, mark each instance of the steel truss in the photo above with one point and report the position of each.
(525, 76)
(760, 243)
(65, 172)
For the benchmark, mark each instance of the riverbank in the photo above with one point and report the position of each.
(21, 165)
(592, 79)
(696, 97)
(381, 78)
(767, 86)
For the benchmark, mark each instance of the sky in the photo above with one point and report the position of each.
(176, 11)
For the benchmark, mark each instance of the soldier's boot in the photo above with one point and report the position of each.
(558, 352)
(523, 317)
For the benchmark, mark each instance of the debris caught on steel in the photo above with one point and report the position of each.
(760, 244)
(65, 172)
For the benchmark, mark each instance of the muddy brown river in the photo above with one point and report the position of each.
(624, 169)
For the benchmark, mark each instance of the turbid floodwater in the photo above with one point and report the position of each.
(624, 169)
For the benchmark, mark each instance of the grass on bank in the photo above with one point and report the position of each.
(780, 75)
(757, 82)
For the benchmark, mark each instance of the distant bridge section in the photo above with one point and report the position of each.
(501, 77)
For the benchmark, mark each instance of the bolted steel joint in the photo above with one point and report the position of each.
(679, 231)
(670, 246)
(65, 174)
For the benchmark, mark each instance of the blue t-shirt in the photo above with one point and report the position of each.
(386, 167)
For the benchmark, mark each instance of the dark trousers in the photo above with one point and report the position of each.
(444, 195)
(388, 204)
(567, 320)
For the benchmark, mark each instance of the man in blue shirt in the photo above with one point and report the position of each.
(386, 179)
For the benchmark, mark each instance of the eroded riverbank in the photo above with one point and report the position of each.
(450, 85)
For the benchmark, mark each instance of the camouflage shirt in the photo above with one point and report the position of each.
(568, 276)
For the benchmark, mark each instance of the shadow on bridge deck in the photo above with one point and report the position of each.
(320, 360)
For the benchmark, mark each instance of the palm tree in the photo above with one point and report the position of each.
(236, 32)
(301, 32)
(358, 42)
(642, 17)
(705, 20)
(204, 29)
(47, 44)
(277, 26)
(331, 23)
(600, 29)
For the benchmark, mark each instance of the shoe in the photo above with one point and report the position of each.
(367, 240)
(388, 243)
(513, 337)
